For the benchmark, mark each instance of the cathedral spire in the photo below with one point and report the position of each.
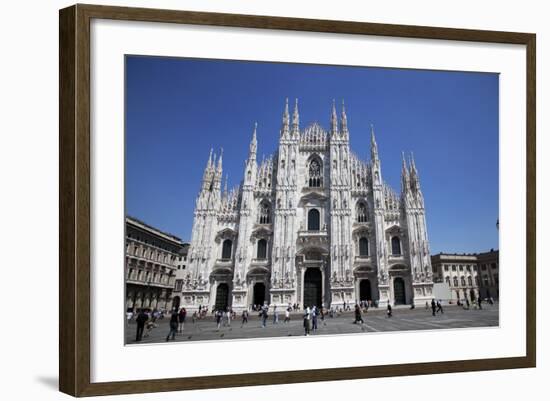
(415, 182)
(333, 121)
(253, 144)
(209, 163)
(405, 183)
(344, 121)
(286, 121)
(373, 145)
(219, 169)
(295, 120)
(225, 185)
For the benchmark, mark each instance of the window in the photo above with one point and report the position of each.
(179, 285)
(455, 281)
(486, 281)
(446, 268)
(395, 246)
(264, 213)
(262, 249)
(461, 268)
(448, 280)
(315, 174)
(226, 249)
(462, 281)
(313, 220)
(469, 281)
(363, 247)
(493, 266)
(362, 216)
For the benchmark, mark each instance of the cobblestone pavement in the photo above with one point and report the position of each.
(375, 321)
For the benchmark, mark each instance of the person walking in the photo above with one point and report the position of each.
(479, 300)
(467, 303)
(181, 319)
(358, 315)
(174, 321)
(229, 313)
(307, 321)
(439, 307)
(433, 307)
(287, 314)
(314, 313)
(264, 315)
(275, 315)
(389, 312)
(244, 317)
(219, 315)
(142, 317)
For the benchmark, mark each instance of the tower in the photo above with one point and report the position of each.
(414, 216)
(285, 227)
(341, 275)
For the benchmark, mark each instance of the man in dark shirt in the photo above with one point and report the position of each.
(140, 320)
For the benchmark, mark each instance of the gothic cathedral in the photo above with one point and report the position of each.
(311, 225)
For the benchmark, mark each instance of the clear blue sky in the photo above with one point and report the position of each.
(177, 109)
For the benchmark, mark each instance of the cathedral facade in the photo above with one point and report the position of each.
(312, 225)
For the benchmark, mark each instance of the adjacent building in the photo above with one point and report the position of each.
(313, 224)
(152, 261)
(468, 276)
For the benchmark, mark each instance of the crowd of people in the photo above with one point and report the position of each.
(312, 316)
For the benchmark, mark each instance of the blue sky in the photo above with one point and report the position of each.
(177, 109)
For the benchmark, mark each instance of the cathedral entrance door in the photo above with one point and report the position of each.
(313, 287)
(259, 294)
(399, 291)
(222, 297)
(365, 290)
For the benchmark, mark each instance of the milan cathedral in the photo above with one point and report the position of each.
(311, 225)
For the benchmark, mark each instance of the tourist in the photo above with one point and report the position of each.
(181, 319)
(129, 316)
(229, 312)
(244, 317)
(219, 315)
(307, 321)
(389, 312)
(433, 307)
(314, 318)
(263, 314)
(479, 300)
(287, 314)
(174, 321)
(358, 316)
(142, 317)
(439, 306)
(275, 315)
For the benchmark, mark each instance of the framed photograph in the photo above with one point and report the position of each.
(250, 200)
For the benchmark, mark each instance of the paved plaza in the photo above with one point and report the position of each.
(403, 319)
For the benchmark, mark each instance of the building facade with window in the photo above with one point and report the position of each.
(468, 276)
(152, 260)
(312, 224)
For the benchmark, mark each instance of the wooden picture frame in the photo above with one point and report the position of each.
(74, 199)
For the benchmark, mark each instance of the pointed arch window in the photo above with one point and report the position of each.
(313, 220)
(226, 249)
(362, 215)
(315, 174)
(262, 249)
(264, 215)
(395, 246)
(363, 246)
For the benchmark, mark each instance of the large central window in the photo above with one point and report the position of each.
(315, 174)
(313, 220)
